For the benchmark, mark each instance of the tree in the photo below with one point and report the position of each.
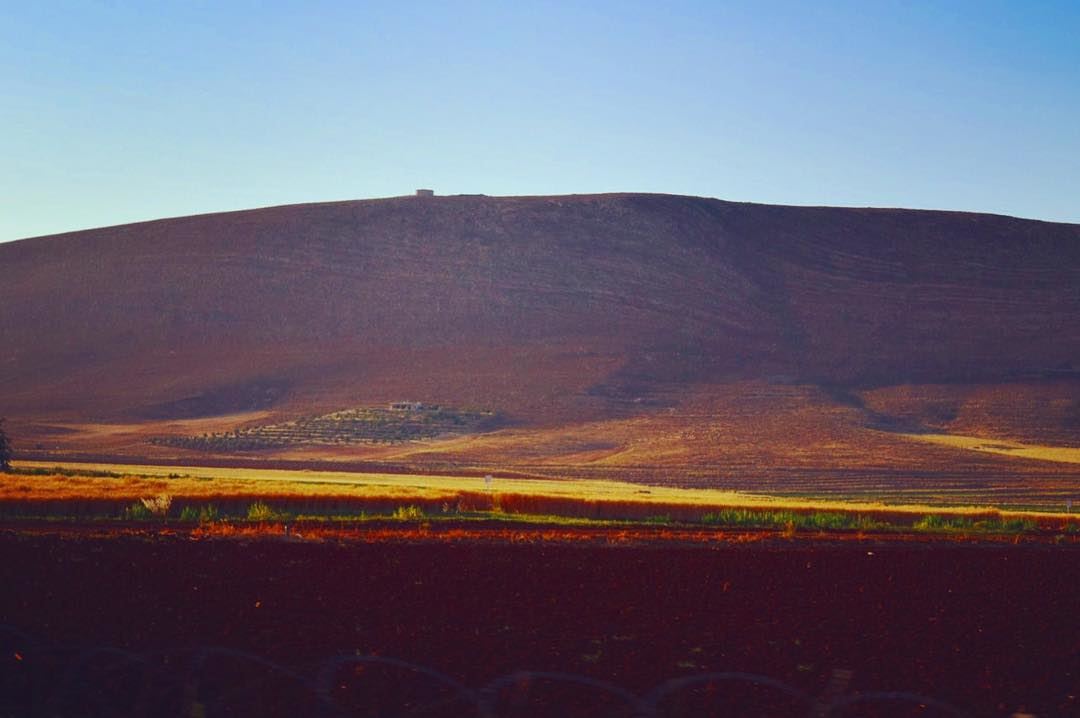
(5, 449)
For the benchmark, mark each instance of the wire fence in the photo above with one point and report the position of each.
(47, 681)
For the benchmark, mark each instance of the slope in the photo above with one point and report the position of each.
(560, 314)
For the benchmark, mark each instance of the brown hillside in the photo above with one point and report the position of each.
(556, 312)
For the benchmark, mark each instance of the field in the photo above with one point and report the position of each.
(124, 622)
(751, 437)
(111, 491)
(653, 339)
(1062, 454)
(146, 590)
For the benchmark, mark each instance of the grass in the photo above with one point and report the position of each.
(601, 496)
(209, 494)
(136, 512)
(787, 522)
(201, 514)
(945, 524)
(261, 511)
(937, 523)
(1060, 454)
(408, 513)
(820, 521)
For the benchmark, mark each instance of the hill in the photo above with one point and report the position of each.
(653, 336)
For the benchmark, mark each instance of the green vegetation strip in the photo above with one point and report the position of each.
(160, 509)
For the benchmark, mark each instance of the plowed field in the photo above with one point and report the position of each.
(987, 627)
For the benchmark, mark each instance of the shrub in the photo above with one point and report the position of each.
(203, 515)
(408, 513)
(832, 521)
(1017, 525)
(750, 518)
(158, 505)
(260, 511)
(137, 512)
(791, 520)
(934, 522)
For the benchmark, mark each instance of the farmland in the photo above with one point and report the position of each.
(752, 437)
(109, 491)
(1061, 454)
(254, 587)
(983, 627)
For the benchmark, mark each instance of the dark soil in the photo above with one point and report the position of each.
(988, 628)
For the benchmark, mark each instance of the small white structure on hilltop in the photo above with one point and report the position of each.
(425, 193)
(407, 406)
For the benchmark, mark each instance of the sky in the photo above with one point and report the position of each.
(114, 112)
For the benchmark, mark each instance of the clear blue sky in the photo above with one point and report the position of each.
(113, 112)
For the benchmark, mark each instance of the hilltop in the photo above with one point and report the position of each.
(657, 337)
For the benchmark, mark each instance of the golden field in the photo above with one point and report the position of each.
(1061, 454)
(345, 492)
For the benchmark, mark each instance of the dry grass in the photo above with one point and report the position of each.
(750, 436)
(1041, 413)
(327, 490)
(1061, 454)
